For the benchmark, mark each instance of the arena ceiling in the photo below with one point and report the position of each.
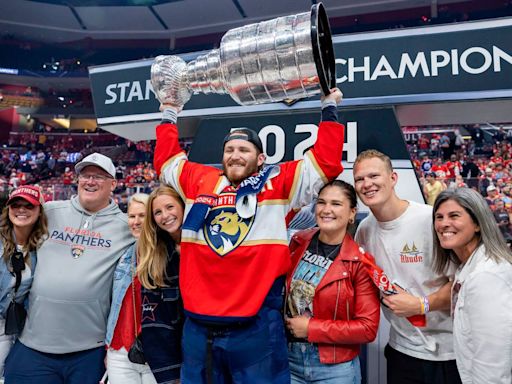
(58, 21)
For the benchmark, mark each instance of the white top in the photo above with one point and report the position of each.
(403, 249)
(482, 328)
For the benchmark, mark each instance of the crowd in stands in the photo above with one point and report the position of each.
(47, 160)
(482, 161)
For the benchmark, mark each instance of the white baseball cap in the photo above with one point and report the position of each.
(97, 160)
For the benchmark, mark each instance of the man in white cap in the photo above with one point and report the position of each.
(63, 339)
(492, 195)
(486, 181)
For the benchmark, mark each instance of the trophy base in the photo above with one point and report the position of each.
(323, 51)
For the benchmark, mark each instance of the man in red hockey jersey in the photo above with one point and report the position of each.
(234, 248)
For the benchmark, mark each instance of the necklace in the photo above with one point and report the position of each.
(334, 251)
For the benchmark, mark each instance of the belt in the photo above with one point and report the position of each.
(215, 330)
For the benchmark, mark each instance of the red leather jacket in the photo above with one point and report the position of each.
(346, 303)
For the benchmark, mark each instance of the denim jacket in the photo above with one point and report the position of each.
(162, 323)
(122, 280)
(7, 279)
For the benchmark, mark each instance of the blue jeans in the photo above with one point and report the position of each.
(25, 365)
(255, 354)
(306, 368)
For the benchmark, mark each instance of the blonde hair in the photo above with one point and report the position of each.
(373, 153)
(152, 244)
(37, 236)
(141, 198)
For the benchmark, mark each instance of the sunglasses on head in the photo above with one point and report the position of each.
(22, 204)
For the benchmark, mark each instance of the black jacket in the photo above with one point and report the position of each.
(162, 323)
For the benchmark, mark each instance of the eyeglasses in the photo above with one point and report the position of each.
(96, 178)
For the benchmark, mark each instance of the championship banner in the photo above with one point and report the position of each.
(287, 136)
(455, 62)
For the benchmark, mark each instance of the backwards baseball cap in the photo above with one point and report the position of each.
(244, 134)
(98, 160)
(28, 193)
(491, 188)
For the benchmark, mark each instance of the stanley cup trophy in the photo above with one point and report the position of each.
(289, 57)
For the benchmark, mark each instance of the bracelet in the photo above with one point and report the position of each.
(422, 306)
(426, 304)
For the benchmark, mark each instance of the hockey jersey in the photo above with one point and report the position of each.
(229, 264)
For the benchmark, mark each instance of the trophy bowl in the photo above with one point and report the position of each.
(289, 57)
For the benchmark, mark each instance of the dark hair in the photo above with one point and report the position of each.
(347, 189)
(37, 236)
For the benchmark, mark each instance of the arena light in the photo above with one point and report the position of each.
(63, 122)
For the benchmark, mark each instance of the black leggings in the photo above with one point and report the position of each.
(404, 369)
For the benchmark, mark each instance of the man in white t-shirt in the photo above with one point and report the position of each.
(398, 233)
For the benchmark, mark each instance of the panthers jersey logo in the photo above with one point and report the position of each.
(224, 230)
(77, 251)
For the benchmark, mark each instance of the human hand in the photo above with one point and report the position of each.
(298, 326)
(335, 96)
(402, 303)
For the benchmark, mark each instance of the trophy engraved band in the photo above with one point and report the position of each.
(289, 57)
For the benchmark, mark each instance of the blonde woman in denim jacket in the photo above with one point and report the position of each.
(121, 325)
(23, 227)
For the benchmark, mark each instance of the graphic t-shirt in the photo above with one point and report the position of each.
(403, 248)
(309, 272)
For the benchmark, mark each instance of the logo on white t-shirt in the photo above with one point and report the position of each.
(411, 254)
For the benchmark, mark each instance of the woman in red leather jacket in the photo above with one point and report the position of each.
(332, 304)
